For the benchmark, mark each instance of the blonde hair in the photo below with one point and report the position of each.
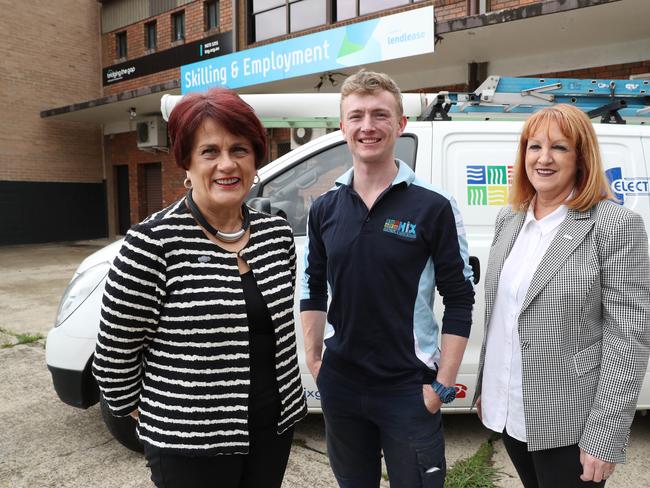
(368, 82)
(591, 185)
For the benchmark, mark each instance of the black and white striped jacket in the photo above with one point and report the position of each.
(174, 339)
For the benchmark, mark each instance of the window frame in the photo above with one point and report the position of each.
(121, 45)
(178, 19)
(330, 15)
(207, 17)
(147, 35)
(287, 15)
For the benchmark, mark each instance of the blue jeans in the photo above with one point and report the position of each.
(361, 423)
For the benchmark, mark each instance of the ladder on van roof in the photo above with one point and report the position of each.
(615, 101)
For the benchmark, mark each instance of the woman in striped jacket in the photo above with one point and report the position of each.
(197, 333)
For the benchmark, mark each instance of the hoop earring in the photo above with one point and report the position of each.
(256, 180)
(187, 183)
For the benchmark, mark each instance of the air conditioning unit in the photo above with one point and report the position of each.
(151, 132)
(302, 135)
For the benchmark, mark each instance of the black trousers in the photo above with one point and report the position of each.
(263, 466)
(549, 468)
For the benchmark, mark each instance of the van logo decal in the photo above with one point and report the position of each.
(488, 184)
(402, 228)
(622, 186)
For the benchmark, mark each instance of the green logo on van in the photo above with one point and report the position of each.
(488, 184)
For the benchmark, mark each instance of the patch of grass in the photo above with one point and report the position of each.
(475, 471)
(26, 338)
(29, 338)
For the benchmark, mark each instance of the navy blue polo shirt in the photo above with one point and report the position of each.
(380, 267)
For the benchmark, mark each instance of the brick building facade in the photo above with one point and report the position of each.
(565, 38)
(50, 170)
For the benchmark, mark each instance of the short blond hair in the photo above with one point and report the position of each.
(591, 185)
(367, 82)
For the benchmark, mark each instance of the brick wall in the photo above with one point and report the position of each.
(136, 48)
(49, 59)
(449, 9)
(501, 4)
(123, 150)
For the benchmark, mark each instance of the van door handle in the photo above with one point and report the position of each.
(476, 268)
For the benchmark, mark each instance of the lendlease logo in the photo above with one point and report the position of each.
(621, 186)
(405, 37)
(488, 184)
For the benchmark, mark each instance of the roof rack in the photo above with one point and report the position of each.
(614, 101)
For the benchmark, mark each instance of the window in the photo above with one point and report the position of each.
(475, 7)
(293, 191)
(150, 35)
(178, 26)
(272, 18)
(307, 13)
(346, 9)
(211, 15)
(120, 44)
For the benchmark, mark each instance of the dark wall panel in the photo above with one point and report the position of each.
(33, 212)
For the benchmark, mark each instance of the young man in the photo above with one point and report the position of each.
(381, 240)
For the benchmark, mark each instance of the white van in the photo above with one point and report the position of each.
(471, 159)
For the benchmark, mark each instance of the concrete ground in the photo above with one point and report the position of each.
(45, 443)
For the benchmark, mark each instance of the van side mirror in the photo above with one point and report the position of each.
(476, 268)
(261, 204)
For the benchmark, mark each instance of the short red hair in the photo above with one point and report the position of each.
(224, 107)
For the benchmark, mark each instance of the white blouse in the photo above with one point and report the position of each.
(501, 395)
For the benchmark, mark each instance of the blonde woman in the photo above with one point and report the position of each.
(567, 295)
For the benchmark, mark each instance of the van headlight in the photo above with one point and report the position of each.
(79, 290)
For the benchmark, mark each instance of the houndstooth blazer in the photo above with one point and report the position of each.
(584, 328)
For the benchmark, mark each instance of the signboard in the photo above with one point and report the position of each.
(395, 36)
(209, 47)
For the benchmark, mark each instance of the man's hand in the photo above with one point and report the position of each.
(594, 469)
(479, 412)
(313, 329)
(135, 414)
(314, 367)
(431, 399)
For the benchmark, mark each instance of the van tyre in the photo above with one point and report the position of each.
(122, 428)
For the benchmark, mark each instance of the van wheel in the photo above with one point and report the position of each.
(122, 428)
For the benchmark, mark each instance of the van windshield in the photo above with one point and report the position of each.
(293, 191)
